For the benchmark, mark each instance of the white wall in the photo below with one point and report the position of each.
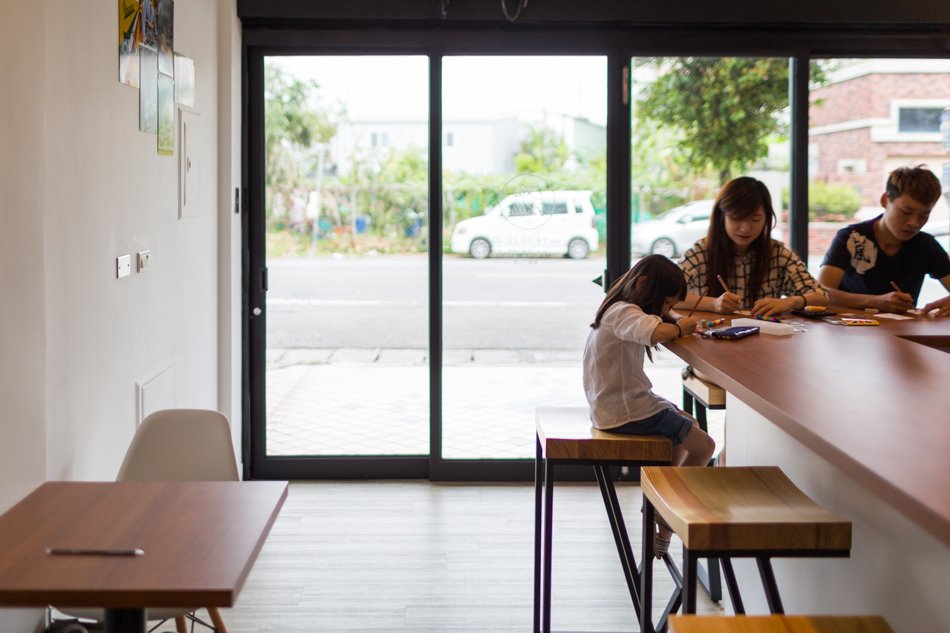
(80, 185)
(22, 344)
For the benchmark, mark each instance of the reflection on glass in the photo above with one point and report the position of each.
(346, 177)
(868, 117)
(524, 176)
(697, 122)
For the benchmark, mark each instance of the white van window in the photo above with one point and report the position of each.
(553, 208)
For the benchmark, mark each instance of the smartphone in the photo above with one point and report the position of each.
(732, 333)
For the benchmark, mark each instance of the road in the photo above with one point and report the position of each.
(382, 301)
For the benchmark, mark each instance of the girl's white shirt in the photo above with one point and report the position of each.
(618, 391)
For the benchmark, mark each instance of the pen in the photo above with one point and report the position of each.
(82, 551)
(705, 290)
(896, 287)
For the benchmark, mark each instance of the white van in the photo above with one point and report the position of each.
(532, 223)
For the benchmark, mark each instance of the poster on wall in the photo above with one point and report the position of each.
(129, 13)
(166, 27)
(184, 80)
(166, 114)
(149, 23)
(148, 89)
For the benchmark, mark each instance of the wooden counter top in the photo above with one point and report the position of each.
(873, 401)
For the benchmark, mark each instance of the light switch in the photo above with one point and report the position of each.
(144, 260)
(123, 266)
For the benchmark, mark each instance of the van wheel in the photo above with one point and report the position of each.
(578, 248)
(480, 248)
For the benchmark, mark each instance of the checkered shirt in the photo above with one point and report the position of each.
(786, 275)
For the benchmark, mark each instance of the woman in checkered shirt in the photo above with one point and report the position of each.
(757, 273)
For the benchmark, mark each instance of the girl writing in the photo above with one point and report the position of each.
(740, 264)
(628, 323)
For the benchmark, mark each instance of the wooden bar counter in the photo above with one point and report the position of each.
(859, 418)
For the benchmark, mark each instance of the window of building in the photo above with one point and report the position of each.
(449, 139)
(916, 120)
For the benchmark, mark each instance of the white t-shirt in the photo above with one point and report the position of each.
(617, 389)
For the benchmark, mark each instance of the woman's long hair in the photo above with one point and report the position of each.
(739, 198)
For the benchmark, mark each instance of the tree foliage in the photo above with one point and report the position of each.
(725, 109)
(292, 124)
(543, 151)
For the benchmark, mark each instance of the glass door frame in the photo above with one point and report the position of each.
(260, 42)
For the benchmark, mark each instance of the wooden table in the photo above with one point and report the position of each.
(859, 418)
(200, 540)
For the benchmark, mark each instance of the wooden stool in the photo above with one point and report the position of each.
(699, 395)
(564, 436)
(750, 512)
(778, 624)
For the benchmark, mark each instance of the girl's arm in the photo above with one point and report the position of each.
(668, 331)
(726, 303)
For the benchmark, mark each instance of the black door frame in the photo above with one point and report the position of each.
(619, 45)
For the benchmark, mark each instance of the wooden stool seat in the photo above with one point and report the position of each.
(779, 624)
(708, 394)
(742, 509)
(566, 433)
(564, 437)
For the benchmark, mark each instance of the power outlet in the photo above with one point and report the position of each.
(123, 266)
(144, 260)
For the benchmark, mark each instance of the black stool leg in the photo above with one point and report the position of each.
(619, 529)
(646, 570)
(548, 532)
(768, 583)
(538, 482)
(689, 582)
(733, 586)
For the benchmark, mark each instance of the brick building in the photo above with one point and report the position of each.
(877, 114)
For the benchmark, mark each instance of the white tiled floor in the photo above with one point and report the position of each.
(376, 402)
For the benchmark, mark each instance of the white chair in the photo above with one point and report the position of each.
(176, 445)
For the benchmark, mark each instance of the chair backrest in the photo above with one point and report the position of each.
(181, 445)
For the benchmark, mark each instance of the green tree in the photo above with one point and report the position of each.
(293, 123)
(543, 151)
(725, 109)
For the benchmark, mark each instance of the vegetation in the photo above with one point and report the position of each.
(830, 202)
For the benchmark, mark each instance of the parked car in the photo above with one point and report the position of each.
(673, 231)
(531, 223)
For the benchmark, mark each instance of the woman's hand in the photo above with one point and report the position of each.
(727, 303)
(687, 325)
(768, 306)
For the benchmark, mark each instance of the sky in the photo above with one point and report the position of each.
(395, 87)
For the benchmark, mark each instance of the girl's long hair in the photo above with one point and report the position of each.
(663, 279)
(739, 198)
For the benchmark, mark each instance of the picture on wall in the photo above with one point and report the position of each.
(166, 114)
(130, 12)
(166, 27)
(148, 89)
(184, 80)
(149, 22)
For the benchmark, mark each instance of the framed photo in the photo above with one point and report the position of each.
(184, 80)
(130, 12)
(166, 114)
(166, 37)
(148, 89)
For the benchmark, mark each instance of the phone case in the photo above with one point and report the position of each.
(732, 333)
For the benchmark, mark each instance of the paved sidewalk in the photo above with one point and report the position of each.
(376, 402)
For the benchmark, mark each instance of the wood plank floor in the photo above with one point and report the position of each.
(426, 557)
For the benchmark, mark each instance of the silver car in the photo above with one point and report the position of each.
(673, 231)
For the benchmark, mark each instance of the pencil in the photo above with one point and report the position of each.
(896, 287)
(698, 301)
(723, 282)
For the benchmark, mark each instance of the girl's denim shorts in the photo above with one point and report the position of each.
(669, 423)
